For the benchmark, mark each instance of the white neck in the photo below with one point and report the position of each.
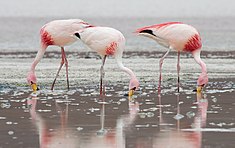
(38, 57)
(197, 58)
(125, 69)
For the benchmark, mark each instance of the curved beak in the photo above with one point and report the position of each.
(34, 87)
(131, 91)
(199, 89)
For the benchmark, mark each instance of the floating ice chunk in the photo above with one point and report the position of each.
(101, 132)
(5, 105)
(167, 112)
(149, 103)
(214, 100)
(150, 114)
(8, 122)
(122, 99)
(94, 109)
(190, 114)
(10, 132)
(79, 128)
(2, 118)
(212, 112)
(142, 115)
(178, 116)
(44, 110)
(138, 126)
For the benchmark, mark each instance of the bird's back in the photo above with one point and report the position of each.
(104, 40)
(61, 32)
(180, 36)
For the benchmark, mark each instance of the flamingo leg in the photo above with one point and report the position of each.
(102, 73)
(160, 69)
(66, 65)
(178, 72)
(61, 64)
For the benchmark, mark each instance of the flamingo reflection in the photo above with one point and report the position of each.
(62, 137)
(179, 138)
(59, 137)
(115, 138)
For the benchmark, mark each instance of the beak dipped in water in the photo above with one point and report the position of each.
(34, 87)
(199, 89)
(131, 92)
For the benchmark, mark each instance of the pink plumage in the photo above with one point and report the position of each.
(180, 37)
(58, 33)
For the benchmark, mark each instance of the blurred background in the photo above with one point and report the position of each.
(21, 21)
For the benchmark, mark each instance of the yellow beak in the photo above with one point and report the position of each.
(199, 89)
(131, 92)
(34, 87)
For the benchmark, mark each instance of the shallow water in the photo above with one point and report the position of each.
(81, 118)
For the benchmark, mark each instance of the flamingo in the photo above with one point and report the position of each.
(182, 38)
(107, 41)
(58, 33)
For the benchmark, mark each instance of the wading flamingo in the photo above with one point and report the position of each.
(180, 37)
(58, 33)
(107, 41)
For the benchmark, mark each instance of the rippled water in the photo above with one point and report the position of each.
(81, 118)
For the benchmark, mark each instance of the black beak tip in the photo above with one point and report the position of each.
(195, 90)
(147, 31)
(38, 88)
(77, 35)
(126, 95)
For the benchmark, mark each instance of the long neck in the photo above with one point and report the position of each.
(197, 58)
(38, 57)
(125, 69)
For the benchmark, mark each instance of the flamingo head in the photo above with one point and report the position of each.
(134, 84)
(202, 81)
(32, 80)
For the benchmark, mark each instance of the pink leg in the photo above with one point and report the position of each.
(160, 70)
(102, 76)
(178, 71)
(66, 65)
(61, 64)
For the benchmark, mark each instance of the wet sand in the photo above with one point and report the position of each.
(81, 118)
